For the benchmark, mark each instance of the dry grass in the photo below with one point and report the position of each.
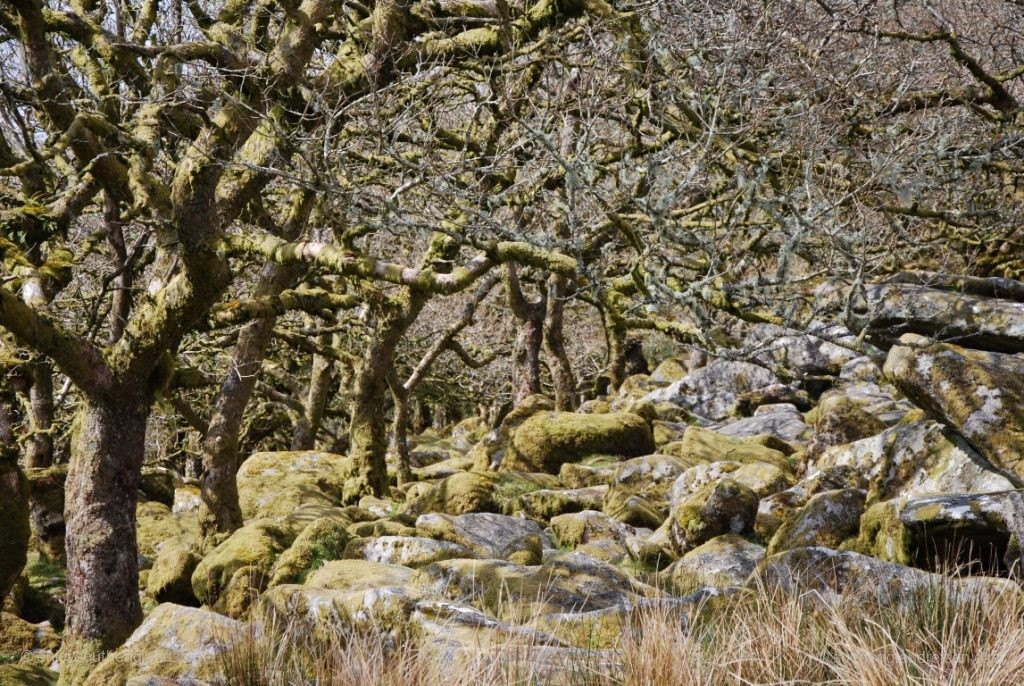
(753, 638)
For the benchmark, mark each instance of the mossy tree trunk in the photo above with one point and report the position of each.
(100, 498)
(529, 338)
(554, 340)
(14, 508)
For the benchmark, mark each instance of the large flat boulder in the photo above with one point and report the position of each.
(978, 321)
(548, 439)
(711, 392)
(275, 484)
(978, 394)
(182, 643)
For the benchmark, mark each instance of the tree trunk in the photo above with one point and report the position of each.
(39, 451)
(526, 359)
(14, 509)
(368, 429)
(103, 567)
(399, 448)
(320, 377)
(220, 512)
(561, 370)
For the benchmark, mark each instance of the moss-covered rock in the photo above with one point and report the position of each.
(828, 519)
(760, 477)
(726, 560)
(18, 636)
(881, 534)
(26, 674)
(828, 571)
(671, 369)
(841, 419)
(323, 614)
(182, 643)
(577, 528)
(158, 526)
(355, 575)
(491, 450)
(980, 394)
(774, 509)
(251, 550)
(596, 471)
(547, 440)
(405, 551)
(170, 578)
(545, 504)
(487, 535)
(712, 391)
(570, 582)
(718, 508)
(700, 445)
(275, 484)
(323, 540)
(916, 459)
(641, 490)
(481, 492)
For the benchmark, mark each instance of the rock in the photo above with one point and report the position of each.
(722, 507)
(670, 370)
(918, 458)
(548, 439)
(445, 468)
(324, 614)
(358, 575)
(881, 401)
(726, 560)
(970, 532)
(828, 519)
(777, 394)
(980, 322)
(572, 582)
(639, 493)
(175, 642)
(157, 526)
(186, 499)
(324, 539)
(803, 354)
(578, 528)
(487, 535)
(26, 674)
(490, 451)
(979, 394)
(667, 432)
(840, 419)
(760, 477)
(548, 503)
(701, 445)
(712, 391)
(830, 572)
(468, 433)
(405, 551)
(227, 576)
(774, 509)
(967, 533)
(588, 473)
(275, 484)
(783, 421)
(46, 509)
(480, 492)
(18, 636)
(170, 579)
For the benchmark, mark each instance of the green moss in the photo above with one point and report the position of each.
(704, 445)
(547, 440)
(882, 534)
(255, 547)
(170, 579)
(323, 540)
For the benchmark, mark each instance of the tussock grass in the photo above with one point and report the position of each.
(753, 637)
